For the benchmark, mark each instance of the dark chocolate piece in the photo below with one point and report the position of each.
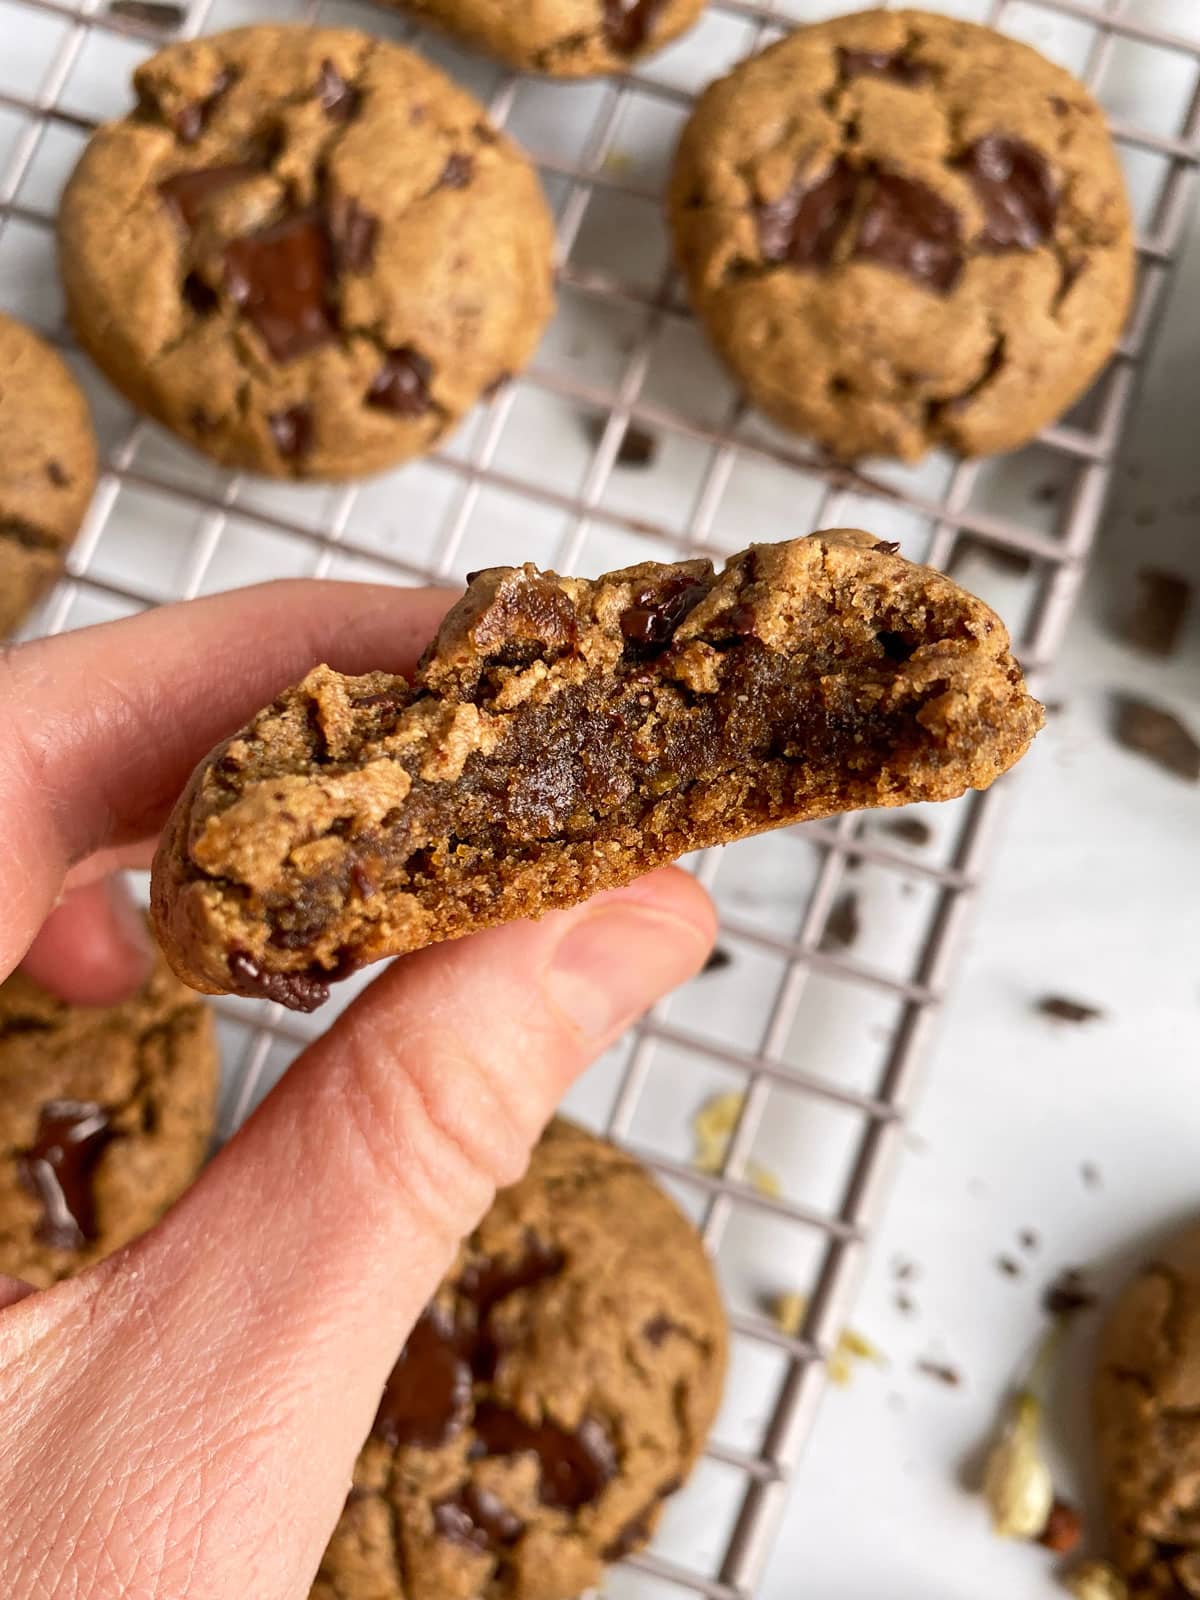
(458, 171)
(59, 1167)
(576, 1467)
(804, 225)
(340, 101)
(1064, 1010)
(649, 623)
(299, 991)
(718, 960)
(908, 227)
(280, 279)
(1160, 603)
(1068, 1294)
(427, 1398)
(354, 233)
(910, 829)
(842, 925)
(881, 64)
(191, 122)
(401, 385)
(1013, 183)
(488, 1281)
(1158, 735)
(292, 431)
(628, 24)
(477, 1519)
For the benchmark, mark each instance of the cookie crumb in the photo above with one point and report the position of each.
(1091, 1175)
(1028, 1239)
(1064, 1010)
(1016, 1480)
(909, 829)
(638, 446)
(843, 924)
(788, 1310)
(1160, 603)
(718, 960)
(1009, 1267)
(1150, 731)
(1068, 1294)
(941, 1372)
(905, 1303)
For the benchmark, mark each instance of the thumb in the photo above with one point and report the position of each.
(233, 1359)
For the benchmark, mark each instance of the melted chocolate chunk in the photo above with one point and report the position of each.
(280, 279)
(354, 233)
(804, 225)
(1013, 184)
(401, 385)
(427, 1398)
(340, 101)
(59, 1166)
(191, 122)
(649, 624)
(299, 991)
(908, 227)
(881, 64)
(477, 1519)
(292, 431)
(575, 1467)
(486, 1282)
(457, 173)
(200, 296)
(187, 193)
(660, 1328)
(57, 474)
(628, 24)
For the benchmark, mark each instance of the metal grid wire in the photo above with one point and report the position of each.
(730, 478)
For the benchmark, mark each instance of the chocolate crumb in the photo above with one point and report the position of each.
(941, 1372)
(1147, 730)
(903, 1270)
(158, 13)
(1068, 1294)
(718, 960)
(1063, 1530)
(1160, 603)
(1008, 1266)
(1090, 1173)
(638, 447)
(905, 1303)
(910, 829)
(1064, 1010)
(842, 925)
(1028, 1239)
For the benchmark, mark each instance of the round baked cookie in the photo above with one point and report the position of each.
(47, 467)
(305, 250)
(1147, 1420)
(565, 38)
(105, 1118)
(901, 230)
(557, 1390)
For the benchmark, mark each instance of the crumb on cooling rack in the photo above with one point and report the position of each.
(788, 1310)
(1151, 731)
(941, 1371)
(1017, 1485)
(1064, 1010)
(712, 1129)
(1068, 1294)
(1155, 619)
(843, 924)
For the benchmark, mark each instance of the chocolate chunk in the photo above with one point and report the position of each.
(186, 194)
(911, 829)
(804, 225)
(457, 173)
(59, 1166)
(192, 120)
(718, 960)
(628, 24)
(1160, 604)
(292, 431)
(638, 446)
(299, 991)
(1055, 1005)
(427, 1398)
(535, 613)
(477, 1519)
(354, 233)
(881, 64)
(57, 474)
(158, 13)
(575, 1467)
(401, 385)
(1014, 186)
(280, 278)
(488, 1281)
(888, 547)
(659, 1329)
(200, 296)
(1068, 1294)
(1158, 735)
(649, 623)
(842, 925)
(908, 227)
(340, 101)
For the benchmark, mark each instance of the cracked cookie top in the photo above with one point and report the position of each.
(904, 230)
(565, 38)
(558, 1389)
(305, 250)
(47, 467)
(105, 1117)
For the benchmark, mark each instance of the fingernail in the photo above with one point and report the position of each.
(617, 960)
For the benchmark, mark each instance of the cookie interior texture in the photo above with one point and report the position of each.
(1147, 1417)
(305, 250)
(564, 38)
(47, 467)
(105, 1117)
(564, 735)
(904, 230)
(556, 1392)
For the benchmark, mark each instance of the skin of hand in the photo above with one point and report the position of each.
(182, 1419)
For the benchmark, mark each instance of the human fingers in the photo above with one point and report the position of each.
(94, 949)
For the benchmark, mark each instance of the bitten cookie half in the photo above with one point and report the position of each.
(557, 1390)
(901, 230)
(47, 468)
(105, 1117)
(305, 251)
(1147, 1421)
(564, 735)
(564, 38)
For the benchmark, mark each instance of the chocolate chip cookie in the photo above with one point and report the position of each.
(306, 251)
(1147, 1417)
(557, 1390)
(566, 38)
(563, 735)
(105, 1117)
(47, 468)
(901, 230)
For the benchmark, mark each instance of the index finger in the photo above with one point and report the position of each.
(99, 729)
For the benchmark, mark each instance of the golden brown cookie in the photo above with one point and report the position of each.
(564, 735)
(555, 1393)
(902, 230)
(105, 1118)
(305, 250)
(1147, 1418)
(565, 38)
(47, 468)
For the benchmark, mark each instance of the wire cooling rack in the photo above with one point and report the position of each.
(838, 939)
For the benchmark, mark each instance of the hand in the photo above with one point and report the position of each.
(182, 1419)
